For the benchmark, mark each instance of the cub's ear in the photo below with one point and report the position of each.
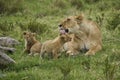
(80, 17)
(24, 33)
(34, 34)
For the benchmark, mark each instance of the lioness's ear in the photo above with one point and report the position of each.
(68, 19)
(80, 17)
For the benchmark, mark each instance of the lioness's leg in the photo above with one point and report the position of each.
(93, 50)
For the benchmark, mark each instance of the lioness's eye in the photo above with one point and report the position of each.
(60, 25)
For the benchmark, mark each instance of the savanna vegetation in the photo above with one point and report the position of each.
(43, 17)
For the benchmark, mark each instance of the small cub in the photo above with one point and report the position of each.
(73, 48)
(32, 46)
(54, 46)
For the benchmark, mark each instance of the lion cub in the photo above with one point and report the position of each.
(73, 48)
(32, 46)
(54, 46)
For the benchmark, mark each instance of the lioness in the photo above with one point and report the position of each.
(32, 46)
(54, 46)
(87, 32)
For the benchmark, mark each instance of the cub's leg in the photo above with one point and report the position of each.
(26, 50)
(35, 54)
(30, 54)
(42, 52)
(55, 54)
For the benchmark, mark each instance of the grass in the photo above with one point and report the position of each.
(43, 17)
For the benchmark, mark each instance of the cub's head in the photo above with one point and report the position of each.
(29, 36)
(65, 37)
(71, 24)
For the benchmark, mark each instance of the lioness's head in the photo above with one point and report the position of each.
(29, 36)
(70, 24)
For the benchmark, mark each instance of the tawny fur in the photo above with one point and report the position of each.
(54, 46)
(72, 47)
(32, 46)
(87, 31)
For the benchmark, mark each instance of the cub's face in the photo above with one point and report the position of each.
(65, 37)
(70, 25)
(28, 36)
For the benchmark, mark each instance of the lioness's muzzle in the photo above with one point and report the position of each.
(62, 29)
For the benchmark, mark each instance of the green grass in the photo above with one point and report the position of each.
(43, 17)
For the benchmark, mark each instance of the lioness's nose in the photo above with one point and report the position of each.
(66, 30)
